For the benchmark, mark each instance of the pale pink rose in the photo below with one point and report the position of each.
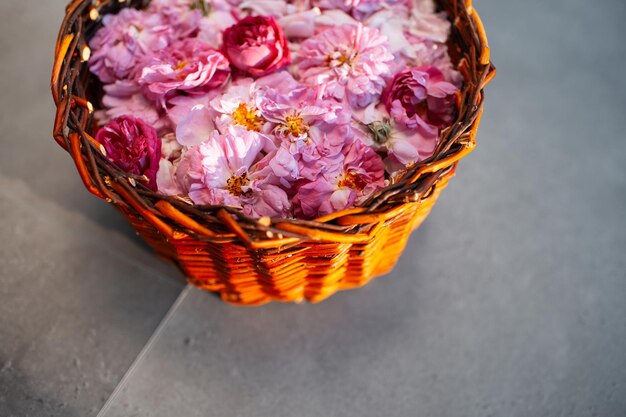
(178, 107)
(204, 19)
(183, 16)
(392, 23)
(279, 81)
(124, 98)
(296, 18)
(429, 53)
(157, 6)
(189, 162)
(418, 38)
(121, 44)
(189, 66)
(424, 6)
(428, 25)
(239, 106)
(212, 27)
(194, 117)
(354, 179)
(213, 163)
(309, 126)
(274, 8)
(300, 25)
(171, 153)
(365, 8)
(344, 5)
(196, 127)
(294, 113)
(351, 61)
(224, 170)
(360, 9)
(322, 151)
(403, 146)
(332, 18)
(257, 46)
(205, 7)
(170, 148)
(281, 165)
(292, 161)
(166, 179)
(269, 199)
(427, 33)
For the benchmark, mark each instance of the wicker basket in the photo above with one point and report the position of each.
(250, 261)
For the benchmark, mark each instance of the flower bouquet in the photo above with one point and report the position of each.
(273, 149)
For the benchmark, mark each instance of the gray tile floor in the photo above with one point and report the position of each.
(510, 300)
(80, 295)
(78, 303)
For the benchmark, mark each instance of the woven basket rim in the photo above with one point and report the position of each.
(176, 218)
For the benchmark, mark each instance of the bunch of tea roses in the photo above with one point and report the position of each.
(279, 108)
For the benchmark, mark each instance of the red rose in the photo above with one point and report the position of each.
(257, 45)
(133, 146)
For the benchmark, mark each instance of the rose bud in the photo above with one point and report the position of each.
(257, 45)
(133, 146)
(421, 96)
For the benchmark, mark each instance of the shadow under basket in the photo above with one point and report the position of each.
(249, 261)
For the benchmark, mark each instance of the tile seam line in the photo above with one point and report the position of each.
(145, 350)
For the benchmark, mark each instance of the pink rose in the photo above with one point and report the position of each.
(227, 169)
(125, 97)
(361, 9)
(350, 61)
(190, 66)
(133, 146)
(300, 25)
(257, 45)
(124, 40)
(420, 97)
(403, 146)
(180, 15)
(351, 180)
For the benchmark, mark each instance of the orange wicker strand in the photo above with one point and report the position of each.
(250, 261)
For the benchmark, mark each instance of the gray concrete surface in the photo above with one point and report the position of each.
(79, 294)
(77, 304)
(510, 300)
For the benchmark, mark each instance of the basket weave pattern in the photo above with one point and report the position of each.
(250, 261)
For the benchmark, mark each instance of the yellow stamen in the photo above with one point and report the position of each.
(180, 65)
(248, 117)
(295, 125)
(352, 180)
(235, 185)
(340, 58)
